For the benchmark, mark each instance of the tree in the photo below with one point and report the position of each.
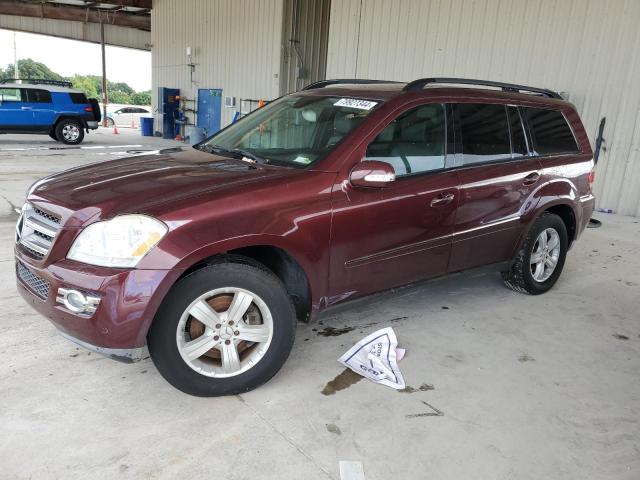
(91, 85)
(141, 98)
(86, 84)
(29, 68)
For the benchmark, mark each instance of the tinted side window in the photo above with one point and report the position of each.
(78, 98)
(484, 131)
(11, 95)
(414, 142)
(518, 142)
(38, 96)
(550, 132)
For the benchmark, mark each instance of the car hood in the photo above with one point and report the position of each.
(142, 183)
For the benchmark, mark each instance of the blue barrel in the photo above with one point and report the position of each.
(146, 125)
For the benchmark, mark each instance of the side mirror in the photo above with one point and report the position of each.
(372, 173)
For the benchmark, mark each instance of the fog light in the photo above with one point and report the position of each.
(77, 302)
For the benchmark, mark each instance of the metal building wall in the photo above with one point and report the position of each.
(88, 32)
(589, 49)
(235, 46)
(305, 37)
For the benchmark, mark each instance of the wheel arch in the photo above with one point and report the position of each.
(66, 116)
(278, 260)
(564, 208)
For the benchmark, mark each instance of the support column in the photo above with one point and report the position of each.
(105, 98)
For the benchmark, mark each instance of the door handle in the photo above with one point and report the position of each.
(25, 108)
(442, 199)
(531, 178)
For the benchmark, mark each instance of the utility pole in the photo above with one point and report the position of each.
(16, 72)
(105, 98)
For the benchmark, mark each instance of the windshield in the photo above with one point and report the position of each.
(294, 131)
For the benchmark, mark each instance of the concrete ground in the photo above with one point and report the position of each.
(529, 387)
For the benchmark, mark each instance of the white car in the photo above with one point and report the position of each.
(128, 116)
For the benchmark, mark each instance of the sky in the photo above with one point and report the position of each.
(67, 57)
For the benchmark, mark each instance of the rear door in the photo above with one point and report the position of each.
(122, 117)
(497, 176)
(136, 114)
(15, 112)
(382, 238)
(41, 104)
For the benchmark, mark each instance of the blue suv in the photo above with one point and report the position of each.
(47, 106)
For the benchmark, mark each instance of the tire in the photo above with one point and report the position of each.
(53, 135)
(218, 287)
(70, 131)
(526, 277)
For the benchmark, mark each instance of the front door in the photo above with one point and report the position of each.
(496, 180)
(382, 238)
(15, 112)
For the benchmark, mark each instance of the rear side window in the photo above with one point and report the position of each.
(78, 98)
(414, 142)
(36, 95)
(11, 95)
(550, 132)
(485, 132)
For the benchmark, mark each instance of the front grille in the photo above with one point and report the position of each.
(36, 284)
(46, 215)
(36, 231)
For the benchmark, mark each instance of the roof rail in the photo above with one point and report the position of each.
(338, 81)
(38, 81)
(506, 87)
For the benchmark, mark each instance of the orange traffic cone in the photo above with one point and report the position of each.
(115, 129)
(261, 103)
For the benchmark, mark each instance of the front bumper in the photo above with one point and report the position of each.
(129, 300)
(125, 355)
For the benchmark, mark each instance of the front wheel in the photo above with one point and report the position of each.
(539, 262)
(70, 131)
(224, 329)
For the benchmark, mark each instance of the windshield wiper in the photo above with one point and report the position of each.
(235, 152)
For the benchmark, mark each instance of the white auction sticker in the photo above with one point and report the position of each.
(376, 357)
(355, 103)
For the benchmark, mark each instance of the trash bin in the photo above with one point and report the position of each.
(146, 126)
(195, 134)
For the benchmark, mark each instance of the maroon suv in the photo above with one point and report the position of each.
(209, 256)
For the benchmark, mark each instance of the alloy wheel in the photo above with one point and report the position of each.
(545, 255)
(224, 332)
(70, 132)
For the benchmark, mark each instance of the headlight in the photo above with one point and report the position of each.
(120, 242)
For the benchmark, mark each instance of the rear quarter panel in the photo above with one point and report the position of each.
(564, 180)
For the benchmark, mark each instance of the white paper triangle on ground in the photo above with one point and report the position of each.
(376, 357)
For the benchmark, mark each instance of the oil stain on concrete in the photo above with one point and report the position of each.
(425, 387)
(342, 381)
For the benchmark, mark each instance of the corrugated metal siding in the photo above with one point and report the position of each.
(235, 44)
(89, 32)
(306, 22)
(589, 49)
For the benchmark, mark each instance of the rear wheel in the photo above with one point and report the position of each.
(538, 264)
(70, 131)
(224, 329)
(53, 135)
